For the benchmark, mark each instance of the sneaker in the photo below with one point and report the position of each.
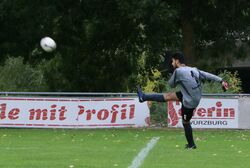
(140, 94)
(190, 146)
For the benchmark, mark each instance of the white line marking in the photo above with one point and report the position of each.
(138, 160)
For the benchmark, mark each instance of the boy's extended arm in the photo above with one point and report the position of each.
(208, 76)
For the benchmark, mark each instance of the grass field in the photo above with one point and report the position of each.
(107, 148)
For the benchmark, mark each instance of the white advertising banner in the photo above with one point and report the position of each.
(72, 112)
(211, 113)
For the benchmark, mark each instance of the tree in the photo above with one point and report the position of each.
(17, 76)
(218, 31)
(106, 45)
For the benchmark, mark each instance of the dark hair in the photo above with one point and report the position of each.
(179, 56)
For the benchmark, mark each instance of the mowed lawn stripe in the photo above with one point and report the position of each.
(138, 160)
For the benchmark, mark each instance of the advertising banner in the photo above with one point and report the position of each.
(44, 112)
(211, 113)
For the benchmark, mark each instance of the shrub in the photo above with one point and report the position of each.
(233, 80)
(17, 76)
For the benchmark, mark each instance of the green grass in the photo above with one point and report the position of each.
(107, 148)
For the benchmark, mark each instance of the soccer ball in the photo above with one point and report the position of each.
(48, 44)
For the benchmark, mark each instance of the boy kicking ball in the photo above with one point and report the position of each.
(189, 79)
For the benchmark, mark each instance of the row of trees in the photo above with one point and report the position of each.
(113, 45)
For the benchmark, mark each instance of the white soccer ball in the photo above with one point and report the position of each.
(48, 44)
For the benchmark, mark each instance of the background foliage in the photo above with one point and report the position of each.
(107, 46)
(15, 75)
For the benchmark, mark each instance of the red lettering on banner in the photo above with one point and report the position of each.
(62, 113)
(81, 111)
(179, 112)
(53, 112)
(13, 114)
(3, 111)
(114, 113)
(172, 114)
(103, 114)
(89, 114)
(210, 111)
(132, 111)
(38, 114)
(123, 111)
(229, 111)
(59, 112)
(217, 111)
(201, 112)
